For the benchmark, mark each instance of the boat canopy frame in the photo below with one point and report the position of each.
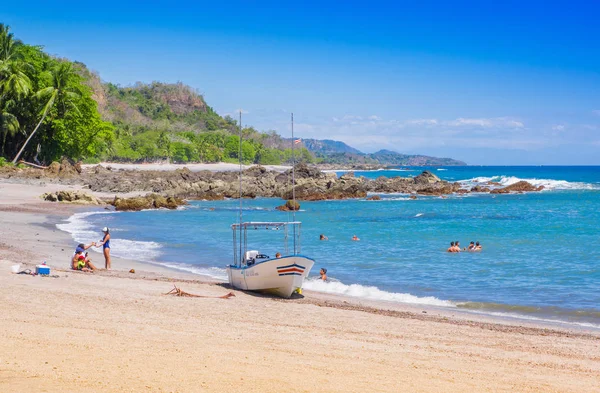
(290, 229)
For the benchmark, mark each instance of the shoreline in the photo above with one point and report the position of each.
(53, 212)
(159, 268)
(129, 336)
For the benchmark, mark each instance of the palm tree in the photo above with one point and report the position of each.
(9, 124)
(14, 83)
(59, 94)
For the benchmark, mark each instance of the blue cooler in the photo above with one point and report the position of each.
(42, 269)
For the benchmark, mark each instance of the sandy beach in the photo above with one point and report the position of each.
(115, 331)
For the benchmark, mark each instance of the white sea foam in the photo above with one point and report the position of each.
(536, 319)
(213, 272)
(441, 169)
(84, 232)
(371, 293)
(419, 214)
(549, 184)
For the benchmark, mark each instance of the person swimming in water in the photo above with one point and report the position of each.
(451, 248)
(323, 273)
(477, 247)
(323, 237)
(355, 238)
(471, 246)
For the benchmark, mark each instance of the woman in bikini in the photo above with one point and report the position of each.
(105, 243)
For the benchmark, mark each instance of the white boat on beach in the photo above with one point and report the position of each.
(280, 276)
(252, 271)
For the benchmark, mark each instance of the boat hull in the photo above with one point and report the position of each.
(279, 277)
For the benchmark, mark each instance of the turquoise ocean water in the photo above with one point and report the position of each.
(540, 258)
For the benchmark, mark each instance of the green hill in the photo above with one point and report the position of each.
(159, 121)
(52, 107)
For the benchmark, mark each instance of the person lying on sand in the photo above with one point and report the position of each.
(81, 261)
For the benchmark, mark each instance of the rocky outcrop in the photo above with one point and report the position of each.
(374, 198)
(78, 197)
(427, 178)
(150, 201)
(289, 206)
(521, 186)
(311, 184)
(480, 189)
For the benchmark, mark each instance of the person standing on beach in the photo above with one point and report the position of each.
(105, 243)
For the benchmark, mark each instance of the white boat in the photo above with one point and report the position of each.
(253, 271)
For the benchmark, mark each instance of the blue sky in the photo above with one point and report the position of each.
(486, 82)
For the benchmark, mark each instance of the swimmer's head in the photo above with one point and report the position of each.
(323, 270)
(477, 243)
(451, 243)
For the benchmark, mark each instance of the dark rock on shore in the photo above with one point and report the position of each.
(79, 197)
(150, 201)
(311, 184)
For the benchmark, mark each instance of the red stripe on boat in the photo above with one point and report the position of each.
(294, 269)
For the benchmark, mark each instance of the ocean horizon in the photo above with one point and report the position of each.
(540, 257)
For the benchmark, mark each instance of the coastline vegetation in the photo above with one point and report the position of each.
(52, 108)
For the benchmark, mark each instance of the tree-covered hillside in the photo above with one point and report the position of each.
(52, 107)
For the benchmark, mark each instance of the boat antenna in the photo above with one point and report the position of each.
(293, 172)
(240, 159)
(293, 184)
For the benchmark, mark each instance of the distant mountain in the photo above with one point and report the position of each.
(388, 157)
(328, 146)
(382, 157)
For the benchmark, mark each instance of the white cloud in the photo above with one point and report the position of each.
(422, 122)
(497, 122)
(558, 127)
(596, 112)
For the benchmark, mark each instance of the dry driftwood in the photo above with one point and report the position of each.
(178, 292)
(32, 165)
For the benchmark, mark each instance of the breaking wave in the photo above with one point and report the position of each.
(549, 184)
(371, 293)
(83, 231)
